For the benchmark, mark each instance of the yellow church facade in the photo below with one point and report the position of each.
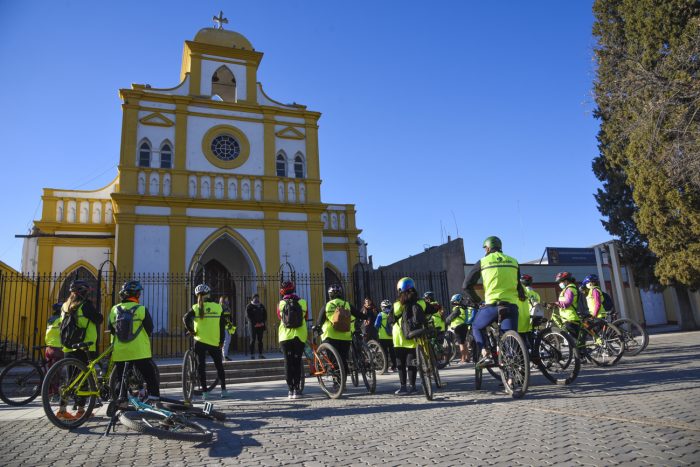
(212, 169)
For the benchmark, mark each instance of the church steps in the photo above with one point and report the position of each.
(241, 371)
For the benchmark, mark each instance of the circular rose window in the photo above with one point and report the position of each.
(225, 147)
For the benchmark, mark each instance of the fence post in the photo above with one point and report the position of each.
(36, 315)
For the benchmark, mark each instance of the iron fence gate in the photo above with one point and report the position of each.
(26, 302)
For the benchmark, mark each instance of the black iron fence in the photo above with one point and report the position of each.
(26, 302)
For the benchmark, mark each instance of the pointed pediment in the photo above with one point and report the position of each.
(290, 133)
(157, 119)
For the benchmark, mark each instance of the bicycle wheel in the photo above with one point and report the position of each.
(434, 369)
(446, 350)
(478, 372)
(20, 382)
(161, 426)
(634, 335)
(450, 337)
(423, 373)
(381, 359)
(557, 357)
(330, 371)
(514, 363)
(607, 346)
(59, 393)
(366, 366)
(196, 411)
(189, 375)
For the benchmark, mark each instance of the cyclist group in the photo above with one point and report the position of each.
(508, 298)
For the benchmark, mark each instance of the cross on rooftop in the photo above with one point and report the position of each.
(219, 21)
(286, 257)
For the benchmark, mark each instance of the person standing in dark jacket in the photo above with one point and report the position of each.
(257, 317)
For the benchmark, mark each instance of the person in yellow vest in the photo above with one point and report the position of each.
(292, 331)
(337, 328)
(407, 307)
(568, 302)
(52, 338)
(500, 274)
(131, 327)
(524, 306)
(78, 323)
(383, 326)
(204, 322)
(459, 320)
(594, 296)
(436, 315)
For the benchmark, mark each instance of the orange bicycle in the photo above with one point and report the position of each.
(324, 362)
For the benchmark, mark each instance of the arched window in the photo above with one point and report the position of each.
(166, 156)
(223, 84)
(298, 166)
(145, 154)
(281, 165)
(81, 273)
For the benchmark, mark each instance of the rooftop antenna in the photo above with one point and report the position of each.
(454, 218)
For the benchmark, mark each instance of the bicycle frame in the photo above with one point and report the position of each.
(80, 380)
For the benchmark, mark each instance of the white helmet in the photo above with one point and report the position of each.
(202, 289)
(385, 304)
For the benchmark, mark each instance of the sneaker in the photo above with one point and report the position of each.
(80, 413)
(411, 390)
(225, 394)
(261, 356)
(62, 414)
(401, 391)
(297, 394)
(290, 394)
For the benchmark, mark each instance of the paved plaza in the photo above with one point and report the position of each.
(644, 411)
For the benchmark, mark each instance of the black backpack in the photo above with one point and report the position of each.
(292, 314)
(71, 333)
(412, 322)
(608, 304)
(124, 324)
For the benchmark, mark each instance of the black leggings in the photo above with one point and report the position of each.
(293, 350)
(201, 349)
(145, 367)
(406, 358)
(256, 334)
(343, 347)
(388, 347)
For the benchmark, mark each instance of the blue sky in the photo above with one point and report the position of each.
(439, 117)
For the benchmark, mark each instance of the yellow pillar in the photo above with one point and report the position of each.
(269, 182)
(179, 182)
(313, 171)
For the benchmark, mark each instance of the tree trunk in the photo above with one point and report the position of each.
(685, 310)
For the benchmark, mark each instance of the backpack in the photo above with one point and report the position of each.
(412, 322)
(341, 319)
(608, 304)
(124, 324)
(581, 306)
(71, 333)
(292, 314)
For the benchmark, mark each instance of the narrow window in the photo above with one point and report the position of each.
(223, 85)
(145, 155)
(298, 166)
(166, 156)
(281, 165)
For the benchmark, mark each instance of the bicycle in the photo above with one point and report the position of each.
(381, 359)
(427, 366)
(20, 381)
(72, 382)
(191, 385)
(361, 362)
(554, 352)
(634, 336)
(132, 408)
(511, 358)
(596, 340)
(324, 362)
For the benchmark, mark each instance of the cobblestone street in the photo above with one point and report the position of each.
(645, 410)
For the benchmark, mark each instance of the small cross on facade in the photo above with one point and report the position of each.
(108, 253)
(219, 21)
(286, 257)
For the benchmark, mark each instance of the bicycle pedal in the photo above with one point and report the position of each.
(208, 407)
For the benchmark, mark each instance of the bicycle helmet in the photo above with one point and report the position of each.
(494, 243)
(564, 276)
(429, 296)
(335, 291)
(80, 288)
(385, 304)
(202, 289)
(526, 279)
(456, 298)
(131, 289)
(287, 288)
(590, 278)
(405, 284)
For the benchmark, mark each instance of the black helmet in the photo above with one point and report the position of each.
(80, 288)
(493, 243)
(335, 291)
(131, 289)
(429, 296)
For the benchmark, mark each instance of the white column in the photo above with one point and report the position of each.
(599, 265)
(618, 284)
